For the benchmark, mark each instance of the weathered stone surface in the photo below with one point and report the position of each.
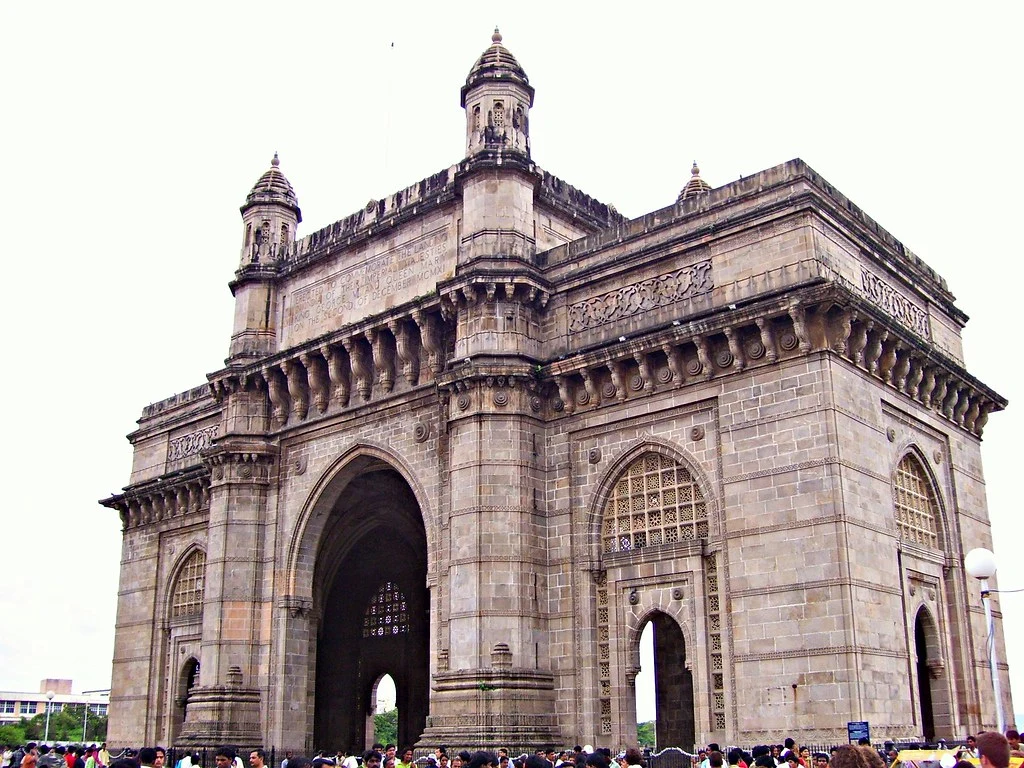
(488, 430)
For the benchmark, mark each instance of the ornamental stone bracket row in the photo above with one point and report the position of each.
(169, 497)
(477, 289)
(351, 368)
(825, 319)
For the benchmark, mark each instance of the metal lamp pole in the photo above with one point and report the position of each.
(85, 717)
(981, 564)
(49, 701)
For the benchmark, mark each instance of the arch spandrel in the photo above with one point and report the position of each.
(309, 526)
(606, 484)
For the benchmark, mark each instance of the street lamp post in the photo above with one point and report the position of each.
(49, 700)
(981, 564)
(85, 716)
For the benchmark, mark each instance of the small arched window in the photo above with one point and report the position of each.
(655, 501)
(187, 596)
(499, 116)
(476, 118)
(387, 614)
(914, 502)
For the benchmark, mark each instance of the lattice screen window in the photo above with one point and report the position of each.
(499, 116)
(916, 508)
(387, 614)
(187, 598)
(656, 501)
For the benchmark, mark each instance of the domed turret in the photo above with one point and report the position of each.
(497, 98)
(695, 186)
(271, 213)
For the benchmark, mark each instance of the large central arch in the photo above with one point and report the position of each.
(369, 590)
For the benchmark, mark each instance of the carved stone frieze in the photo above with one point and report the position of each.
(679, 285)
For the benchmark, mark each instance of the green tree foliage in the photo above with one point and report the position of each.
(385, 727)
(645, 734)
(66, 726)
(12, 734)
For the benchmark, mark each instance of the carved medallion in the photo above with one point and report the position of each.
(500, 397)
(788, 341)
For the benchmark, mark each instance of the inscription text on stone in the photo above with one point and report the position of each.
(374, 285)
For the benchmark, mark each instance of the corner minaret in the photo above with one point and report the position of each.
(497, 98)
(270, 216)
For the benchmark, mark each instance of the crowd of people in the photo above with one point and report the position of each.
(989, 748)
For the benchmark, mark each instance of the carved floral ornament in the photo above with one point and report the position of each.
(688, 353)
(353, 367)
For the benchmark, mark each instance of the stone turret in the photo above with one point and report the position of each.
(498, 180)
(270, 216)
(497, 98)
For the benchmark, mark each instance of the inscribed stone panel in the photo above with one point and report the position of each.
(374, 278)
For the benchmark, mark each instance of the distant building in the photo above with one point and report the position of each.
(482, 432)
(15, 705)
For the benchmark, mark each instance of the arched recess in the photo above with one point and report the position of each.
(675, 721)
(360, 553)
(933, 693)
(183, 608)
(613, 474)
(917, 504)
(650, 518)
(187, 679)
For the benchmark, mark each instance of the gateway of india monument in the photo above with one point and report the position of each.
(480, 433)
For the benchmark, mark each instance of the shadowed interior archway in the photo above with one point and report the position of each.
(673, 683)
(370, 589)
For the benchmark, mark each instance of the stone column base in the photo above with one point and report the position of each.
(491, 708)
(222, 715)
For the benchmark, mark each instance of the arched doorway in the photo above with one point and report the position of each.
(932, 693)
(673, 683)
(370, 577)
(188, 677)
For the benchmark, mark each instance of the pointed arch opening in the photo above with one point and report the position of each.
(188, 678)
(670, 681)
(934, 702)
(369, 589)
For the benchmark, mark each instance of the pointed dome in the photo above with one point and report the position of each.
(695, 186)
(496, 64)
(273, 188)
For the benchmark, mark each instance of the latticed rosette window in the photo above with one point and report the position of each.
(187, 598)
(387, 614)
(916, 508)
(655, 501)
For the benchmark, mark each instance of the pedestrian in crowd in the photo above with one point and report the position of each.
(820, 760)
(48, 757)
(371, 759)
(993, 750)
(287, 757)
(224, 757)
(161, 757)
(972, 746)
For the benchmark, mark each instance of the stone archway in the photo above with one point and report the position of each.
(371, 596)
(673, 683)
(188, 677)
(933, 695)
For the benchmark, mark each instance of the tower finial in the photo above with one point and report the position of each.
(695, 171)
(275, 162)
(496, 37)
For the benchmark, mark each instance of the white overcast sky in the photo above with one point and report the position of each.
(131, 133)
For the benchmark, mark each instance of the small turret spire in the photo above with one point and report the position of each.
(695, 186)
(496, 37)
